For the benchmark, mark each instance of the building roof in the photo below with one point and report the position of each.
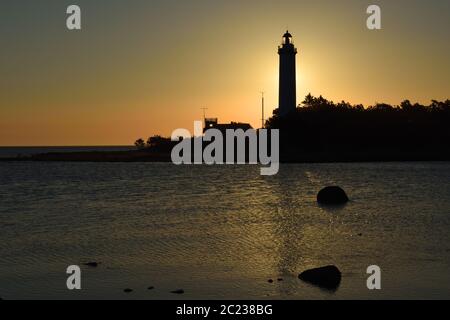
(224, 126)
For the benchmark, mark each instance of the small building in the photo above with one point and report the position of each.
(213, 123)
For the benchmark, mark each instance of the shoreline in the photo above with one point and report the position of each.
(293, 157)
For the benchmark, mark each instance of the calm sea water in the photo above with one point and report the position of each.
(10, 152)
(223, 231)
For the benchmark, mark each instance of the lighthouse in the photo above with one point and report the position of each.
(287, 83)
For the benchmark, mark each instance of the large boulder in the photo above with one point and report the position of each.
(333, 195)
(328, 277)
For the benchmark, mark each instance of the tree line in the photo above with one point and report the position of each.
(319, 124)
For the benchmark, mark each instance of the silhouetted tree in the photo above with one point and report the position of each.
(156, 141)
(140, 143)
(322, 125)
(406, 105)
(309, 99)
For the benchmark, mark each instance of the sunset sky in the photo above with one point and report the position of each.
(144, 67)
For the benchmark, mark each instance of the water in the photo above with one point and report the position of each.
(221, 232)
(11, 152)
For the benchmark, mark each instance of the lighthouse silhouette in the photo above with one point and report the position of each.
(287, 83)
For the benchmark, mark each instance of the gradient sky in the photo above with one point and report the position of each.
(139, 68)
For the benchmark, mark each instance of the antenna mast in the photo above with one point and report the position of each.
(262, 107)
(204, 114)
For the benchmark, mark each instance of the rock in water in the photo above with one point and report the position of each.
(127, 290)
(328, 277)
(179, 291)
(91, 264)
(332, 196)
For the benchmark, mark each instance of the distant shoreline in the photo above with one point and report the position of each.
(293, 157)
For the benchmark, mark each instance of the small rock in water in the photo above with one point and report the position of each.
(332, 196)
(270, 281)
(280, 279)
(92, 264)
(179, 291)
(328, 277)
(128, 290)
(150, 288)
(360, 234)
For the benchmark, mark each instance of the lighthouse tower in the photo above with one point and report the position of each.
(287, 85)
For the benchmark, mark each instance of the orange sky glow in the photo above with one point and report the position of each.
(139, 68)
